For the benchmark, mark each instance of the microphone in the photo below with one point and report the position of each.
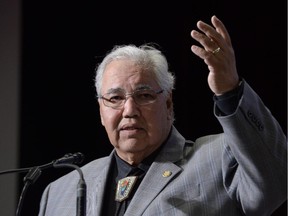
(68, 160)
(76, 158)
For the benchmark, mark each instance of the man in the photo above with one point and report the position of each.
(153, 169)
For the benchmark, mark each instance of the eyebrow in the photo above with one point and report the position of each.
(138, 87)
(143, 87)
(113, 90)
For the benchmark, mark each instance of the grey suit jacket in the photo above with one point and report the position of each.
(242, 171)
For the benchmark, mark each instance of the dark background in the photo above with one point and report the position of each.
(62, 41)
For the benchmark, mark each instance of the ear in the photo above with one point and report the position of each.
(102, 121)
(169, 104)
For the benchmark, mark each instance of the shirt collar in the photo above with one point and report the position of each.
(124, 168)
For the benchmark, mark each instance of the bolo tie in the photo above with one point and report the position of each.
(124, 189)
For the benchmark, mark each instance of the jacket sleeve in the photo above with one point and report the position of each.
(254, 161)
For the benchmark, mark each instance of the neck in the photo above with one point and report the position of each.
(135, 159)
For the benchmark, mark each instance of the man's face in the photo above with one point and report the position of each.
(134, 130)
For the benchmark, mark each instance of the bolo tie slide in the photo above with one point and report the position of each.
(124, 188)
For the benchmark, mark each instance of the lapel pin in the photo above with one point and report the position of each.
(166, 173)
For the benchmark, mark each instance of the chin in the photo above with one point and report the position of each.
(132, 146)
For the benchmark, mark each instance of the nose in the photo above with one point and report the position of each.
(130, 108)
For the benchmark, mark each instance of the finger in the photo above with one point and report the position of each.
(206, 42)
(199, 51)
(221, 29)
(208, 30)
(210, 38)
(208, 57)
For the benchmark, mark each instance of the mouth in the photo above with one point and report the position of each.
(130, 128)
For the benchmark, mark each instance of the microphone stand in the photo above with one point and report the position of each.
(29, 179)
(35, 172)
(21, 170)
(81, 189)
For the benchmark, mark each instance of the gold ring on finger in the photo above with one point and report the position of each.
(216, 50)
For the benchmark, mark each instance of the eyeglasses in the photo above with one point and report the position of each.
(116, 99)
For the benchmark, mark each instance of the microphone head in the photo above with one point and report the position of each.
(76, 158)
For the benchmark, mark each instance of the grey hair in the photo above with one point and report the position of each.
(145, 55)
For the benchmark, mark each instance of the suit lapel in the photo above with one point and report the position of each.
(160, 174)
(97, 181)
